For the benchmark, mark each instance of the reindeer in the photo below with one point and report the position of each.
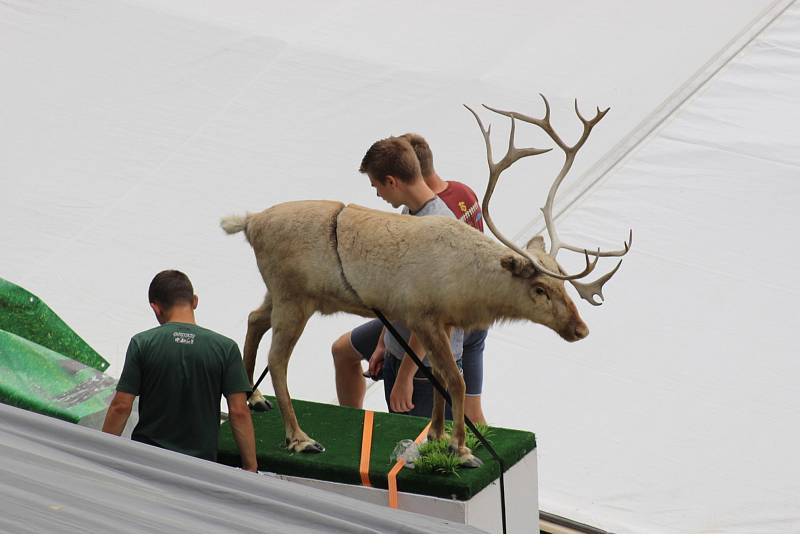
(327, 257)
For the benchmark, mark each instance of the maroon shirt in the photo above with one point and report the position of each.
(464, 204)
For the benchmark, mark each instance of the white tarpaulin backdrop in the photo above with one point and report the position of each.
(129, 128)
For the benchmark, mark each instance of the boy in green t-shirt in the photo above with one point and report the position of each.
(180, 371)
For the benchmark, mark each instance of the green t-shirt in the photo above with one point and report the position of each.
(180, 372)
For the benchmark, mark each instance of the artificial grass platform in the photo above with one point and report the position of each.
(339, 429)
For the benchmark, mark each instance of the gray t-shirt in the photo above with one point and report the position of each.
(435, 206)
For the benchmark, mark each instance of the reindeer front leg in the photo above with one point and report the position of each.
(439, 403)
(444, 364)
(289, 321)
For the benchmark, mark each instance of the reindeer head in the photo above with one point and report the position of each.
(546, 301)
(540, 267)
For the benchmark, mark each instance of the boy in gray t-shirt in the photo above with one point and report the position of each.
(394, 172)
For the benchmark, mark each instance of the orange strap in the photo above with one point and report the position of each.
(392, 477)
(366, 448)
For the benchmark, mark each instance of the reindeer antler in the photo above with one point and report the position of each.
(495, 169)
(586, 291)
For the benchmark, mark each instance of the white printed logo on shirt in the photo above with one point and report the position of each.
(183, 338)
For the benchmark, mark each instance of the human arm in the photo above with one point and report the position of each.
(118, 413)
(377, 358)
(400, 398)
(236, 388)
(127, 389)
(403, 389)
(242, 427)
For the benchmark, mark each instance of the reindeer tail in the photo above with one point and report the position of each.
(234, 223)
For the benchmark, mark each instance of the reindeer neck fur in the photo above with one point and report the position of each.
(502, 295)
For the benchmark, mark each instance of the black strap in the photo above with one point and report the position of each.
(443, 392)
(260, 378)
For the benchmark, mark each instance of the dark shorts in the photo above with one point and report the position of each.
(364, 339)
(472, 361)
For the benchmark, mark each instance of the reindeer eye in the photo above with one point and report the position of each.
(539, 290)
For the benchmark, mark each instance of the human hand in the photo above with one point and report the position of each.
(400, 397)
(376, 363)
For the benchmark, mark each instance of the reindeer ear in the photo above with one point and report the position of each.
(536, 243)
(518, 266)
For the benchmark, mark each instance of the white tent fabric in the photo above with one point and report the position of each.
(682, 402)
(59, 477)
(129, 128)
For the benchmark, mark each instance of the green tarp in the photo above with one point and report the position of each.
(41, 380)
(46, 367)
(23, 314)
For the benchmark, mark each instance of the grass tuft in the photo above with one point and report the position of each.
(436, 456)
(437, 459)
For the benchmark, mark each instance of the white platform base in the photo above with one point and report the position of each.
(482, 511)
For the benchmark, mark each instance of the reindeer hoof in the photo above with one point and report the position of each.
(258, 403)
(466, 457)
(308, 445)
(471, 461)
(313, 447)
(260, 406)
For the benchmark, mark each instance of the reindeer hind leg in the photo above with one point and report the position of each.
(289, 321)
(258, 322)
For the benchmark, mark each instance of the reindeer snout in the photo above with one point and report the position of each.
(575, 331)
(581, 330)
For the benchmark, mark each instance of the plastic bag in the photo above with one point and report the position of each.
(407, 451)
